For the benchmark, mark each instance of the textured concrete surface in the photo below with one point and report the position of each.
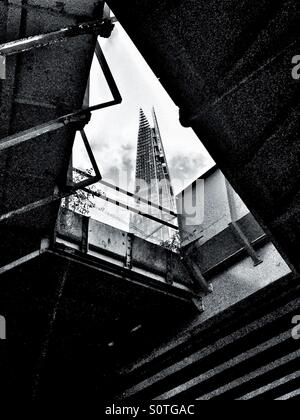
(228, 66)
(71, 327)
(41, 85)
(247, 351)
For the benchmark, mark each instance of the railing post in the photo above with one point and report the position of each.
(85, 234)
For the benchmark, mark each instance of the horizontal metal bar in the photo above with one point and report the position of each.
(102, 106)
(129, 208)
(29, 257)
(24, 136)
(79, 117)
(35, 132)
(129, 194)
(48, 200)
(19, 262)
(85, 183)
(138, 198)
(98, 27)
(33, 206)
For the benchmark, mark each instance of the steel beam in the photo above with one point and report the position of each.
(81, 118)
(130, 208)
(129, 194)
(98, 27)
(140, 277)
(35, 254)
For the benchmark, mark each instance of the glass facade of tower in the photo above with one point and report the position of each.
(152, 183)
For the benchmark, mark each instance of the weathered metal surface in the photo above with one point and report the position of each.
(108, 239)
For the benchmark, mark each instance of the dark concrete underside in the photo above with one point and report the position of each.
(247, 350)
(227, 65)
(40, 86)
(70, 328)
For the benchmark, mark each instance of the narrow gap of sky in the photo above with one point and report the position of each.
(113, 132)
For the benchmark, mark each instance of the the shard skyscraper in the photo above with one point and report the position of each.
(152, 182)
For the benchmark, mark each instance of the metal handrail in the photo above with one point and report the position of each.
(129, 194)
(130, 208)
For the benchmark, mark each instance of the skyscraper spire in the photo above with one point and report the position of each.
(143, 118)
(152, 174)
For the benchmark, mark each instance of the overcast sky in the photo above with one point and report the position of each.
(113, 132)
